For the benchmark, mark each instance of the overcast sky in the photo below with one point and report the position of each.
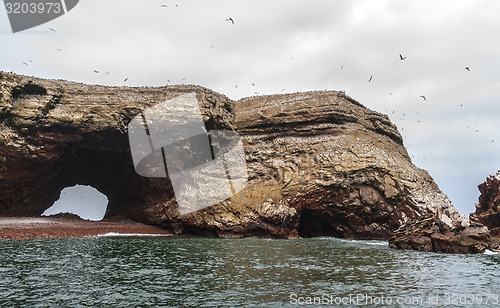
(301, 46)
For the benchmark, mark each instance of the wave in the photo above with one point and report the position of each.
(489, 252)
(115, 234)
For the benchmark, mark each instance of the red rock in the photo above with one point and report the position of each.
(488, 210)
(430, 234)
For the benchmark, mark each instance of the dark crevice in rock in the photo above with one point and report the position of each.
(56, 99)
(28, 89)
(313, 224)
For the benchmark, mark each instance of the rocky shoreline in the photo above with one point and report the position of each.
(430, 234)
(52, 227)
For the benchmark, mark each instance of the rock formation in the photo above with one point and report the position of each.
(319, 163)
(428, 233)
(488, 210)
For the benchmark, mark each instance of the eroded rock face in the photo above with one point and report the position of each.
(319, 163)
(430, 234)
(488, 209)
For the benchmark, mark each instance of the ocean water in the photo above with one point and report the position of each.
(211, 272)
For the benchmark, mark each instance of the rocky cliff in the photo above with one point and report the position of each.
(488, 209)
(319, 163)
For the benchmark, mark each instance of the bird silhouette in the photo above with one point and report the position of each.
(163, 5)
(51, 29)
(401, 57)
(59, 49)
(212, 46)
(423, 97)
(370, 79)
(124, 80)
(467, 68)
(25, 63)
(230, 19)
(342, 66)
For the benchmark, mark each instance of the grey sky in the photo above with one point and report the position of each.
(85, 201)
(301, 46)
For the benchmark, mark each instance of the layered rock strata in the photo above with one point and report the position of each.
(319, 163)
(488, 209)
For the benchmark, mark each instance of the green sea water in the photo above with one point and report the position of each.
(212, 272)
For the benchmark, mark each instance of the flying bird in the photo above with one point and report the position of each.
(163, 5)
(52, 30)
(212, 46)
(370, 79)
(342, 66)
(230, 19)
(25, 63)
(423, 97)
(467, 68)
(124, 80)
(59, 49)
(401, 57)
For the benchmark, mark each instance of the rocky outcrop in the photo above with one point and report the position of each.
(488, 209)
(431, 234)
(319, 163)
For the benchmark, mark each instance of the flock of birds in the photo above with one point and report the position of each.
(229, 19)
